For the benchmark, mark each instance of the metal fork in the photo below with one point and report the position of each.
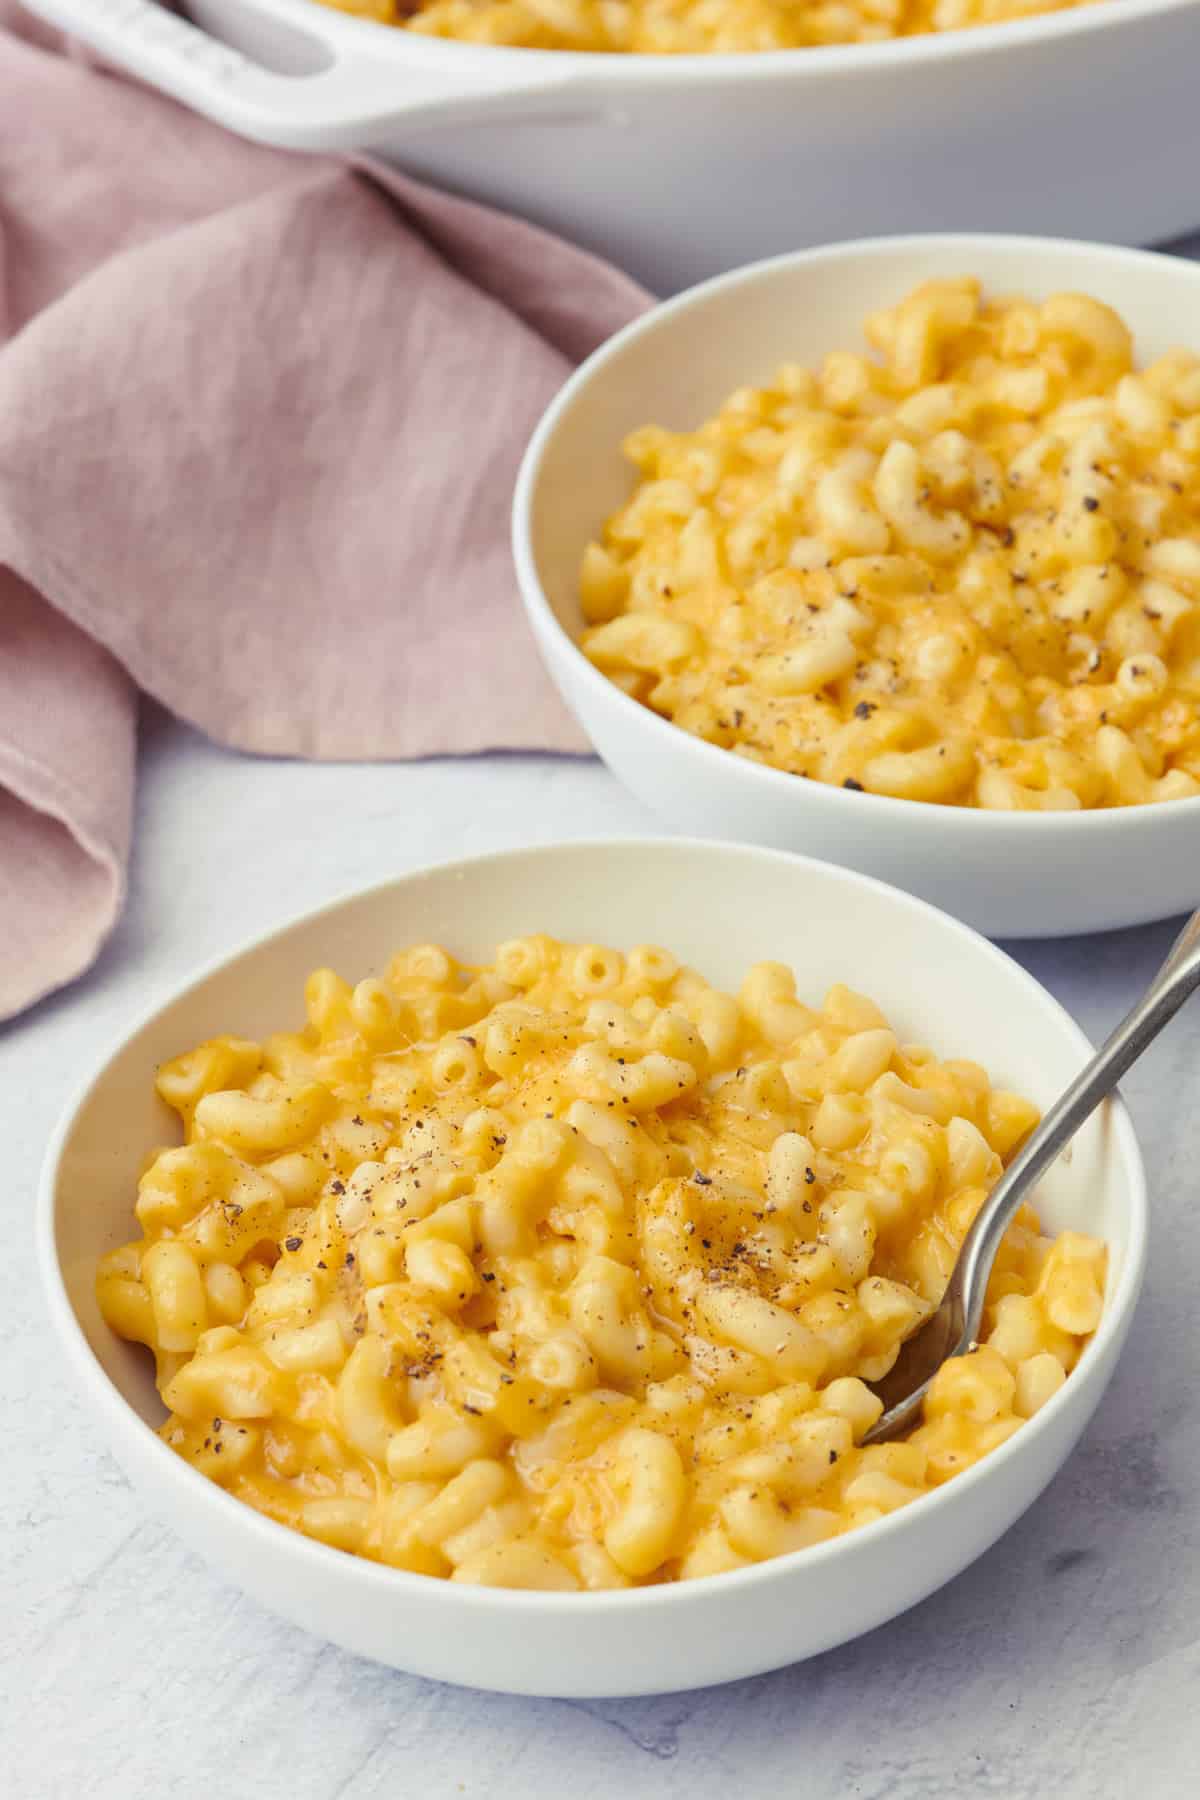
(953, 1330)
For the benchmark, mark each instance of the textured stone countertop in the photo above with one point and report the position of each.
(1065, 1662)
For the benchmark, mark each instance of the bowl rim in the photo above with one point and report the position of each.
(655, 69)
(124, 1423)
(780, 783)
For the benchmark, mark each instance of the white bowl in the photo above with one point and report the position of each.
(1008, 874)
(720, 907)
(677, 167)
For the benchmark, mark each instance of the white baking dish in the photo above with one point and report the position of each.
(680, 167)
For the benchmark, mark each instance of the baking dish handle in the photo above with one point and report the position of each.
(334, 108)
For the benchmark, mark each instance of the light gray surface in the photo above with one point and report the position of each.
(1067, 1661)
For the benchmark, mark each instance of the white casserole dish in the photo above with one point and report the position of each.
(680, 167)
(720, 907)
(1008, 874)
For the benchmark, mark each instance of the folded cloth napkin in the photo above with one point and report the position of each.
(260, 417)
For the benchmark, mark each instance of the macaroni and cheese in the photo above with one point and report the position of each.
(690, 27)
(964, 568)
(572, 1271)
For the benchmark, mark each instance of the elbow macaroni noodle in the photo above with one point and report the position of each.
(571, 1271)
(690, 27)
(965, 569)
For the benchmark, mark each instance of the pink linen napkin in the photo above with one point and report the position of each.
(260, 417)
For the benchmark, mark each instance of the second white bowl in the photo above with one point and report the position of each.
(1008, 874)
